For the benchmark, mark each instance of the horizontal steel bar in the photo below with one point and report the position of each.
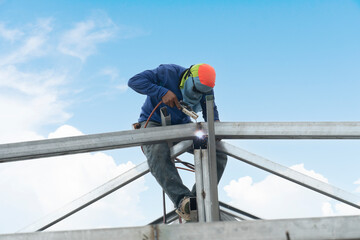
(94, 142)
(287, 130)
(344, 227)
(145, 232)
(289, 174)
(227, 130)
(99, 192)
(308, 228)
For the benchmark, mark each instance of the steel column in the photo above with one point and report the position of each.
(200, 192)
(211, 205)
(209, 166)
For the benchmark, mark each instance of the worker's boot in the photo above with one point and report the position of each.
(183, 209)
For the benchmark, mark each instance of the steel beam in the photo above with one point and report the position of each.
(289, 174)
(287, 130)
(146, 232)
(94, 142)
(98, 193)
(305, 229)
(236, 130)
(341, 228)
(181, 147)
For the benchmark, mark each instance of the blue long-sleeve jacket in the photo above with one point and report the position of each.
(155, 84)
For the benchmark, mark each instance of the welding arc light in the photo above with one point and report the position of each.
(199, 134)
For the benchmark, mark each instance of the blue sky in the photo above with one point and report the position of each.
(64, 68)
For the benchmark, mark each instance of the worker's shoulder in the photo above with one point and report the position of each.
(171, 67)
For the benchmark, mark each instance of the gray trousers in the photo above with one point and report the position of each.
(165, 172)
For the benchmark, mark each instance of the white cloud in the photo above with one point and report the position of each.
(65, 131)
(35, 188)
(122, 87)
(327, 209)
(31, 95)
(9, 34)
(111, 72)
(300, 168)
(127, 32)
(358, 188)
(113, 75)
(29, 101)
(81, 41)
(33, 44)
(275, 197)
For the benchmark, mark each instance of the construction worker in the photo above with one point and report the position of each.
(171, 83)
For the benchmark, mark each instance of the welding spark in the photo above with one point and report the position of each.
(199, 134)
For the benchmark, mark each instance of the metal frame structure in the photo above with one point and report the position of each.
(208, 207)
(224, 130)
(345, 227)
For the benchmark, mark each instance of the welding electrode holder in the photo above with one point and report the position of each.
(185, 108)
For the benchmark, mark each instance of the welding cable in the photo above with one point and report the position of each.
(187, 164)
(190, 170)
(147, 121)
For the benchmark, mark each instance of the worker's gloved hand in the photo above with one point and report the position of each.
(171, 100)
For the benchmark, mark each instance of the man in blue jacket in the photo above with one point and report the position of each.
(171, 83)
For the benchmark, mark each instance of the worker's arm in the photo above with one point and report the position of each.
(148, 83)
(203, 106)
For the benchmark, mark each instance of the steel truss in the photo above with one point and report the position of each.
(185, 134)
